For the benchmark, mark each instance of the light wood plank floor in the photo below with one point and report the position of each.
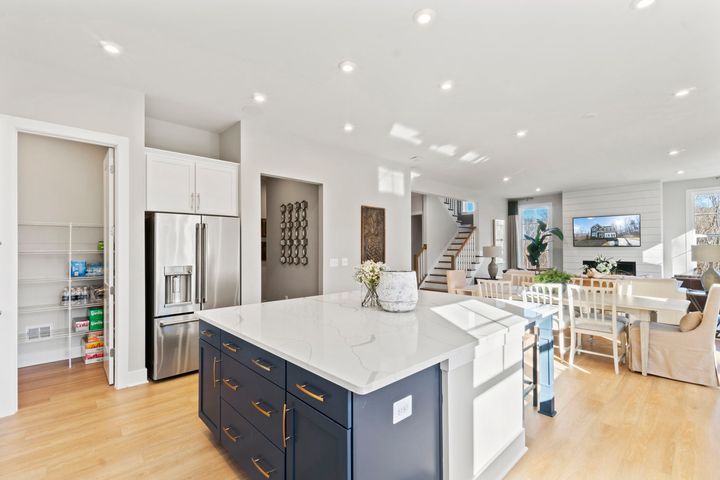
(72, 425)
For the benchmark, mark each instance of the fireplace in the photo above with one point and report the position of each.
(623, 268)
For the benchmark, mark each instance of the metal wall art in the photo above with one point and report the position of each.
(293, 233)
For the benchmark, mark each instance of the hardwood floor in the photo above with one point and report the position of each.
(72, 425)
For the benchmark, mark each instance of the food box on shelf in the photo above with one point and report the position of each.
(82, 325)
(94, 357)
(95, 315)
(78, 268)
(97, 336)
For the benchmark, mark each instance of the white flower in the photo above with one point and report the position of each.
(368, 273)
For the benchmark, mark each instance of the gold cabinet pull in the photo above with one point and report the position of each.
(215, 379)
(320, 397)
(260, 363)
(257, 406)
(207, 333)
(230, 346)
(232, 386)
(284, 425)
(228, 434)
(265, 473)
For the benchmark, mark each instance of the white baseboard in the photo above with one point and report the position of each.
(131, 379)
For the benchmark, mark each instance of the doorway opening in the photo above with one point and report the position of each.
(291, 238)
(65, 280)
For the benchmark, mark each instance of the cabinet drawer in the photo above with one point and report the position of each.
(330, 399)
(260, 401)
(233, 346)
(266, 364)
(210, 334)
(258, 458)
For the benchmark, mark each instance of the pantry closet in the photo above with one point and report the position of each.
(62, 211)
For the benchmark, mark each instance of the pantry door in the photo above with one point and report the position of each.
(109, 264)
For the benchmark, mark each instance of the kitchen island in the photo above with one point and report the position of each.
(320, 388)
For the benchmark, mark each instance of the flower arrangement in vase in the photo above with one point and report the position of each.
(368, 275)
(603, 266)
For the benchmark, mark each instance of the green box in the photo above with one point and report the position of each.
(95, 315)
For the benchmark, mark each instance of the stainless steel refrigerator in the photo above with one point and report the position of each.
(192, 263)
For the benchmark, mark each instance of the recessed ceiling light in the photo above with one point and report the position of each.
(674, 153)
(111, 48)
(424, 16)
(680, 172)
(641, 4)
(347, 66)
(521, 133)
(684, 92)
(506, 179)
(348, 127)
(259, 97)
(447, 85)
(537, 189)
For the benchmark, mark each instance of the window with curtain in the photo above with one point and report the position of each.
(704, 206)
(529, 217)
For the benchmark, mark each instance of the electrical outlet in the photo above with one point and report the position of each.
(402, 409)
(333, 262)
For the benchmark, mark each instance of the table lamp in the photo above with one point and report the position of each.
(708, 254)
(492, 251)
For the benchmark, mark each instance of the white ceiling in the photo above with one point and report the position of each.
(592, 81)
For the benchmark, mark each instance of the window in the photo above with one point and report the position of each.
(529, 217)
(468, 206)
(704, 217)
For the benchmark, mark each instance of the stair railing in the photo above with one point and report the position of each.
(420, 263)
(454, 206)
(465, 257)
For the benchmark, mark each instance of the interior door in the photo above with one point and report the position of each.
(109, 264)
(221, 262)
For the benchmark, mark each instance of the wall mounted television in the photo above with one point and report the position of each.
(607, 231)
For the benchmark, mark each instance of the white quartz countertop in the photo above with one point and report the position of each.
(364, 349)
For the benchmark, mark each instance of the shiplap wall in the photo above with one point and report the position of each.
(645, 199)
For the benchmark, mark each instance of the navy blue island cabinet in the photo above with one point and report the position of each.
(281, 422)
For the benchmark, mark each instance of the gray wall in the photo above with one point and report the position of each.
(279, 280)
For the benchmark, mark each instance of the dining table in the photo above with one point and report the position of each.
(640, 308)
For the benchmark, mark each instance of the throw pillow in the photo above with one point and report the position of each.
(690, 321)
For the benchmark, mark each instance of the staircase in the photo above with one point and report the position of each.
(460, 254)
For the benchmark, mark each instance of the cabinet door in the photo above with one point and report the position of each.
(318, 448)
(209, 386)
(216, 187)
(170, 183)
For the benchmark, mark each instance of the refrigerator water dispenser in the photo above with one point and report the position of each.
(178, 285)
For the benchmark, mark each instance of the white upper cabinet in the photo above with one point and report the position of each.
(216, 187)
(182, 183)
(170, 183)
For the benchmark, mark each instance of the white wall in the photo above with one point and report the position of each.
(349, 180)
(677, 236)
(26, 91)
(556, 203)
(180, 138)
(486, 210)
(645, 199)
(439, 228)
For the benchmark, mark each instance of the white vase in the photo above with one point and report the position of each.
(397, 291)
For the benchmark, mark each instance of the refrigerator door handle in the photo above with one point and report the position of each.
(204, 263)
(198, 262)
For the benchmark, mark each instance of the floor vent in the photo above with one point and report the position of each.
(38, 332)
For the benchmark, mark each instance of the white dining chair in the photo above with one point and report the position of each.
(551, 294)
(593, 311)
(519, 278)
(456, 281)
(500, 289)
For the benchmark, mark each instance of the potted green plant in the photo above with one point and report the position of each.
(539, 243)
(553, 276)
